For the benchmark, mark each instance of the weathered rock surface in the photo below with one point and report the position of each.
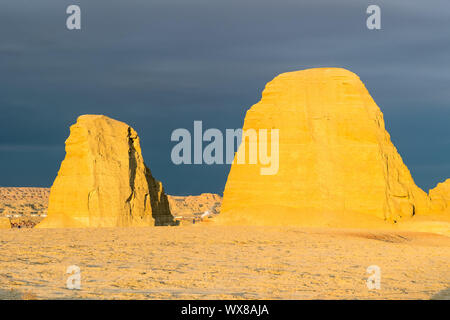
(103, 181)
(440, 198)
(28, 202)
(337, 164)
(187, 206)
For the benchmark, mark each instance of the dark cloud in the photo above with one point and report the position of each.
(160, 65)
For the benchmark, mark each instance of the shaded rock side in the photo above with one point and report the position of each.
(103, 181)
(337, 164)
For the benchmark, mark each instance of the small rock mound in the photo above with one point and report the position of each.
(195, 205)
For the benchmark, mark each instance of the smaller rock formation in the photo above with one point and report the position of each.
(103, 181)
(4, 223)
(23, 202)
(189, 206)
(440, 198)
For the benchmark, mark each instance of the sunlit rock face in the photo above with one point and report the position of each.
(337, 164)
(440, 198)
(103, 181)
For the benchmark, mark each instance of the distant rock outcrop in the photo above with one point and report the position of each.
(23, 202)
(103, 181)
(337, 164)
(188, 206)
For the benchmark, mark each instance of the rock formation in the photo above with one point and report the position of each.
(440, 198)
(188, 206)
(103, 181)
(23, 201)
(4, 223)
(337, 164)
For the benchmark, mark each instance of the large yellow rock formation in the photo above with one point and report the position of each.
(337, 164)
(103, 181)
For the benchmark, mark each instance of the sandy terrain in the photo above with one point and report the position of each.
(215, 262)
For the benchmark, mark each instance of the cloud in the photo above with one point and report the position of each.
(160, 65)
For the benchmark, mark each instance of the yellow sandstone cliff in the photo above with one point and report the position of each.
(103, 181)
(337, 164)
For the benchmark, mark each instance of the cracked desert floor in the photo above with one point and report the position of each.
(215, 262)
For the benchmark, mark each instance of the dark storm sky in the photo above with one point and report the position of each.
(160, 65)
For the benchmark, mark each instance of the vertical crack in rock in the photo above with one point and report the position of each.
(159, 201)
(132, 165)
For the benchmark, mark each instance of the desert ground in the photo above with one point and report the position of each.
(205, 261)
